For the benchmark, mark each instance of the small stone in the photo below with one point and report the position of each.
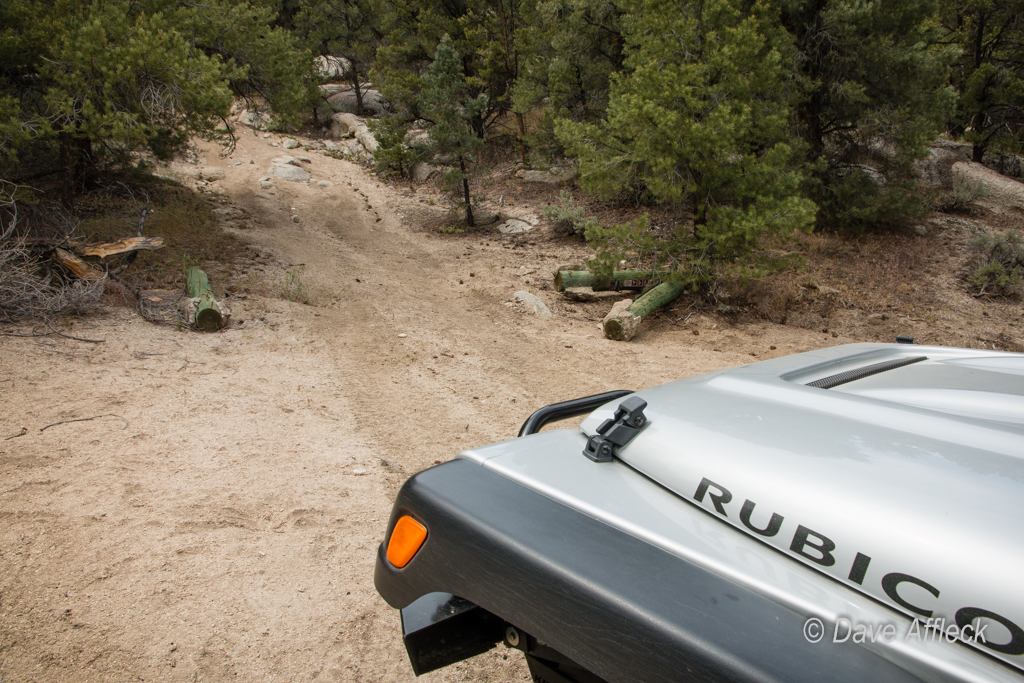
(403, 335)
(295, 219)
(358, 472)
(210, 173)
(291, 143)
(514, 227)
(266, 135)
(296, 175)
(305, 160)
(262, 195)
(534, 304)
(324, 183)
(266, 184)
(274, 144)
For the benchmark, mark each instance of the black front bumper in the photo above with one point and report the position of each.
(623, 608)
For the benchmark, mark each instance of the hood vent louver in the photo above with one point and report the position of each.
(860, 373)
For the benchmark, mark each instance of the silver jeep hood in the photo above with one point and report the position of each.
(906, 484)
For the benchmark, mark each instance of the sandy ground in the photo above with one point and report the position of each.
(220, 521)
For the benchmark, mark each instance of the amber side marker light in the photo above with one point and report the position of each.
(406, 541)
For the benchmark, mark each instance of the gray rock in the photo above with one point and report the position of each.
(344, 125)
(514, 227)
(266, 184)
(995, 192)
(295, 175)
(292, 143)
(588, 294)
(331, 68)
(254, 119)
(285, 161)
(552, 176)
(345, 101)
(417, 136)
(366, 139)
(333, 88)
(324, 183)
(211, 174)
(422, 171)
(262, 195)
(305, 160)
(533, 304)
(329, 144)
(484, 216)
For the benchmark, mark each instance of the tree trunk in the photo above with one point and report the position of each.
(622, 323)
(465, 192)
(354, 75)
(621, 279)
(69, 172)
(208, 315)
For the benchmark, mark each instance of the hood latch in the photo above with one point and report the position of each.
(618, 431)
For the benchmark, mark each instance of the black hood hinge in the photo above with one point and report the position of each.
(618, 431)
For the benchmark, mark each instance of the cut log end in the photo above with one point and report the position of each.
(620, 324)
(209, 320)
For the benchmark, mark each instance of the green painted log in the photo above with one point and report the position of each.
(208, 315)
(622, 323)
(621, 279)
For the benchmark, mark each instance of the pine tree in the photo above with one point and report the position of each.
(447, 102)
(989, 74)
(699, 122)
(874, 95)
(569, 50)
(98, 81)
(481, 31)
(343, 28)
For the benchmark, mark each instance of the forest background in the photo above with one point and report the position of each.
(742, 121)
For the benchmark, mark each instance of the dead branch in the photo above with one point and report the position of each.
(23, 432)
(68, 336)
(84, 419)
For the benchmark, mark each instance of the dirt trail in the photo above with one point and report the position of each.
(223, 525)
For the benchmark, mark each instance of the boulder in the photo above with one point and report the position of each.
(209, 174)
(417, 136)
(333, 89)
(422, 171)
(366, 139)
(552, 176)
(344, 125)
(533, 304)
(254, 119)
(484, 216)
(934, 169)
(995, 191)
(330, 68)
(291, 143)
(514, 226)
(345, 101)
(296, 175)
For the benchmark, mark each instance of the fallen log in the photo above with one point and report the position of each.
(623, 321)
(207, 313)
(122, 246)
(621, 279)
(76, 266)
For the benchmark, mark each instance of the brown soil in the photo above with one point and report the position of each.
(220, 520)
